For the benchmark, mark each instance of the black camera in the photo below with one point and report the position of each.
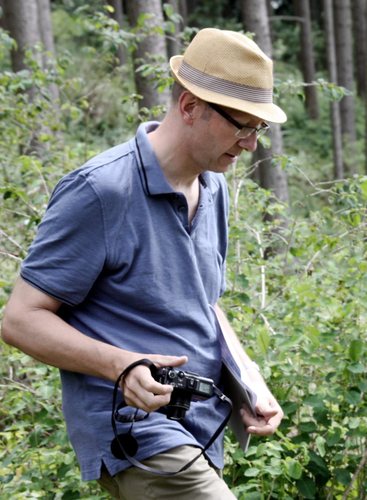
(187, 386)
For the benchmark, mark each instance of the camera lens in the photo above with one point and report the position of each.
(179, 404)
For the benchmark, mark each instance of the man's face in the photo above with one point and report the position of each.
(217, 146)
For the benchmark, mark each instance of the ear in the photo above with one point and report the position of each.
(189, 106)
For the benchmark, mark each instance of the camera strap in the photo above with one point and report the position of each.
(125, 446)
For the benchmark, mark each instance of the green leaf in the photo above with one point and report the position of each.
(306, 487)
(355, 350)
(353, 397)
(252, 472)
(343, 476)
(317, 465)
(293, 468)
(357, 368)
(308, 427)
(320, 445)
(333, 436)
(263, 340)
(363, 187)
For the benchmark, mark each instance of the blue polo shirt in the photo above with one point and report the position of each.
(116, 248)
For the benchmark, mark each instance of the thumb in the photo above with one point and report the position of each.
(266, 410)
(161, 361)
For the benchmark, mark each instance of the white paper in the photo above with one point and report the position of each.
(236, 385)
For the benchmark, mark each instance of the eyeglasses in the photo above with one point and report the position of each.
(243, 130)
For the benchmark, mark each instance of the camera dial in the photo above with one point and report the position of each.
(187, 386)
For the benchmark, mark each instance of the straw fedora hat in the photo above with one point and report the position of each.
(229, 69)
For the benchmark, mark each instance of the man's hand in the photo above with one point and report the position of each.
(269, 416)
(139, 388)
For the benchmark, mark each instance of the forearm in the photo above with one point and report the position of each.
(49, 339)
(31, 324)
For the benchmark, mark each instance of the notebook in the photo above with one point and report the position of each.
(236, 385)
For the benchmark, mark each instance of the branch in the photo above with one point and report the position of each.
(9, 238)
(11, 256)
(360, 467)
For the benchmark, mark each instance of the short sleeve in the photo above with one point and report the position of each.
(69, 249)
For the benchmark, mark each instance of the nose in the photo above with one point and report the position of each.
(249, 144)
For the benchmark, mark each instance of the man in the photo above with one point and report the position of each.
(129, 262)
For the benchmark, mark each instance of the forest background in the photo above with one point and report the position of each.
(77, 77)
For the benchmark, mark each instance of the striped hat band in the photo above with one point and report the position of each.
(221, 86)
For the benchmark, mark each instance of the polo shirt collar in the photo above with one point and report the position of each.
(153, 179)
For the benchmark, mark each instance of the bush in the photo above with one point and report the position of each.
(302, 315)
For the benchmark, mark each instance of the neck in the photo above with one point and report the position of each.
(169, 146)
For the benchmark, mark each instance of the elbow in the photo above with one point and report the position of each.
(8, 329)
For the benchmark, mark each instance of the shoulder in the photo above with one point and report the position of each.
(111, 169)
(105, 174)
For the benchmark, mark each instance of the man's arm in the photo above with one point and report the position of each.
(269, 412)
(32, 325)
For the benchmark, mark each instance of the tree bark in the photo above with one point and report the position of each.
(150, 47)
(173, 40)
(47, 37)
(345, 72)
(183, 11)
(118, 16)
(302, 9)
(29, 23)
(334, 106)
(22, 22)
(271, 177)
(360, 46)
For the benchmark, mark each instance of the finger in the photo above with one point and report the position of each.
(267, 409)
(265, 430)
(142, 378)
(147, 402)
(161, 361)
(259, 424)
(147, 396)
(142, 391)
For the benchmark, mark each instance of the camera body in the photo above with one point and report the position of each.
(187, 386)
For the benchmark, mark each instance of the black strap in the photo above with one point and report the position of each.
(144, 362)
(131, 459)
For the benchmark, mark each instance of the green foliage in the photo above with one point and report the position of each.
(303, 317)
(36, 460)
(301, 312)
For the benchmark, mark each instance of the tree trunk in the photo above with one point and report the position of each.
(173, 40)
(334, 106)
(271, 177)
(46, 34)
(302, 9)
(2, 17)
(183, 12)
(118, 16)
(360, 46)
(151, 46)
(29, 23)
(22, 22)
(345, 72)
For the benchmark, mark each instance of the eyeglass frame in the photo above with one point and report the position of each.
(260, 131)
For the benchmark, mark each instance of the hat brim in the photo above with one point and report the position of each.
(268, 112)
